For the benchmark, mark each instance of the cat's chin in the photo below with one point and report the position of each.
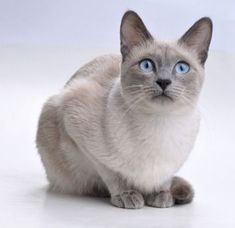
(165, 104)
(163, 101)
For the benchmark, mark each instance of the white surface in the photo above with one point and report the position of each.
(29, 75)
(96, 23)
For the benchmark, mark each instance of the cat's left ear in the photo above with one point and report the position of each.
(132, 32)
(198, 38)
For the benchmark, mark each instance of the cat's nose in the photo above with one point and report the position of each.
(163, 83)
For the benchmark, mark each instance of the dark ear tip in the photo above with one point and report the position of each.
(130, 13)
(206, 20)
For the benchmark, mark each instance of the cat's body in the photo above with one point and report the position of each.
(94, 138)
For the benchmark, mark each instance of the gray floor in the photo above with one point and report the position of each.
(29, 75)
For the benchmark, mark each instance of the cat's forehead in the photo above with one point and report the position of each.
(162, 52)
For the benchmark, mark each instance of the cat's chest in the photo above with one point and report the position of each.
(159, 148)
(166, 136)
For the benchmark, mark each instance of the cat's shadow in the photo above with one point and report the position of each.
(67, 209)
(56, 199)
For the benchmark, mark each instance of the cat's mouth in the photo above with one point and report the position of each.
(163, 96)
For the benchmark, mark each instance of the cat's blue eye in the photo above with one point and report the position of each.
(182, 68)
(146, 66)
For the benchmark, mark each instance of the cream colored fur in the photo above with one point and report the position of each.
(96, 138)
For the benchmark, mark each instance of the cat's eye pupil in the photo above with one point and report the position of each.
(146, 66)
(182, 68)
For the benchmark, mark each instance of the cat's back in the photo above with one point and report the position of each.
(84, 97)
(80, 104)
(84, 94)
(101, 70)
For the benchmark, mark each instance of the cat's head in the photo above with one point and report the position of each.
(162, 75)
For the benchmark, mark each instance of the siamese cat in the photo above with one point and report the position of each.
(124, 125)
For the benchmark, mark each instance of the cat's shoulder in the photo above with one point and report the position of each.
(88, 88)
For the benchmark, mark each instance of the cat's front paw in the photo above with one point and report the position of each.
(128, 199)
(161, 199)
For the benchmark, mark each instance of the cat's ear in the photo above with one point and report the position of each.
(132, 32)
(198, 38)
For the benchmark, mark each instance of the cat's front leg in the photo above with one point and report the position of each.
(122, 195)
(161, 198)
(129, 199)
(176, 191)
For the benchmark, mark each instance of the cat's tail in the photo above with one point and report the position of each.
(181, 190)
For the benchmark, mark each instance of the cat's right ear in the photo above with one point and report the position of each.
(132, 32)
(198, 38)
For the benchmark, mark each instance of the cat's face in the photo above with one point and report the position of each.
(162, 75)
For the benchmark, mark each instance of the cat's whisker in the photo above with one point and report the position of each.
(134, 103)
(183, 94)
(141, 90)
(135, 92)
(149, 89)
(179, 92)
(132, 86)
(187, 101)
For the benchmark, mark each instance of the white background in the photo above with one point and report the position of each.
(91, 23)
(42, 43)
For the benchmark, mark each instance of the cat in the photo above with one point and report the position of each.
(124, 124)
